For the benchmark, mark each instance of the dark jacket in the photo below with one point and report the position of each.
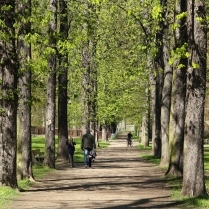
(71, 147)
(88, 141)
(129, 136)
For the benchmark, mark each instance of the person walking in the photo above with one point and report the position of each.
(87, 144)
(71, 148)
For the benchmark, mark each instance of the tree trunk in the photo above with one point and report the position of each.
(104, 133)
(167, 87)
(176, 126)
(156, 141)
(159, 85)
(145, 129)
(24, 108)
(63, 86)
(49, 159)
(8, 96)
(193, 176)
(159, 67)
(85, 84)
(89, 79)
(165, 108)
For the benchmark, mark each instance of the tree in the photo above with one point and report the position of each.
(145, 124)
(24, 106)
(49, 159)
(159, 71)
(193, 175)
(121, 75)
(177, 114)
(167, 84)
(8, 95)
(89, 73)
(63, 83)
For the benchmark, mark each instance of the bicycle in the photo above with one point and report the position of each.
(129, 143)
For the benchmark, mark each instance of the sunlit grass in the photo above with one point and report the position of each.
(38, 142)
(39, 170)
(206, 158)
(175, 183)
(197, 202)
(151, 159)
(6, 194)
(24, 184)
(142, 147)
(103, 144)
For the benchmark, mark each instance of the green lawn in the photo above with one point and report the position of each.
(38, 142)
(176, 182)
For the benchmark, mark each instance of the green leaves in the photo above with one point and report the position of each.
(156, 12)
(179, 53)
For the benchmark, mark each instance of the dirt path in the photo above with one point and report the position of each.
(119, 179)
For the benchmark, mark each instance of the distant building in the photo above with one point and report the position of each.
(130, 127)
(124, 126)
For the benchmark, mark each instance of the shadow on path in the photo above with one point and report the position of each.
(119, 179)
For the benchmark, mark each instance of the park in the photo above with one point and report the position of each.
(110, 67)
(119, 178)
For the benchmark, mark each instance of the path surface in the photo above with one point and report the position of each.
(119, 179)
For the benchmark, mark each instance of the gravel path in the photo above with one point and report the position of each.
(119, 179)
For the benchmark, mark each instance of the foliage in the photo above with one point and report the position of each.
(121, 75)
(120, 57)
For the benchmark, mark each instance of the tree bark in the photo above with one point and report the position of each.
(24, 107)
(85, 93)
(89, 75)
(176, 126)
(63, 86)
(165, 108)
(49, 159)
(193, 176)
(104, 132)
(8, 96)
(145, 129)
(156, 140)
(167, 86)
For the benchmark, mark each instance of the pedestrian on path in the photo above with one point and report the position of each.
(129, 139)
(71, 148)
(87, 144)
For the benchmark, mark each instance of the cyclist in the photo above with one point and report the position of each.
(129, 139)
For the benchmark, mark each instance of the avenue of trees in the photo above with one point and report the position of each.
(90, 64)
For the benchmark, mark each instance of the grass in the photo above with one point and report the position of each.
(38, 142)
(6, 193)
(175, 183)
